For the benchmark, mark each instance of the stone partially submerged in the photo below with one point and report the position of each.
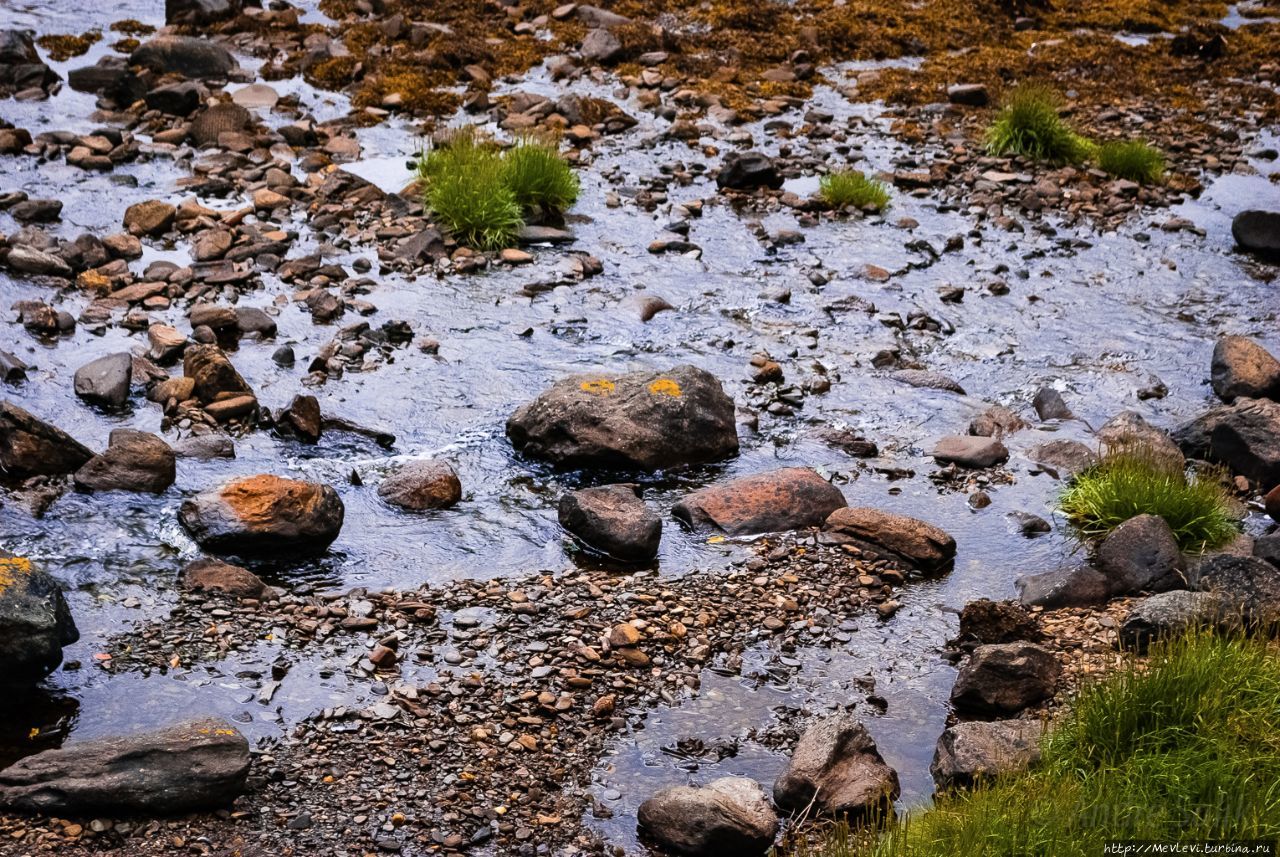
(913, 541)
(788, 499)
(201, 764)
(30, 446)
(730, 815)
(612, 520)
(35, 622)
(836, 769)
(641, 420)
(264, 514)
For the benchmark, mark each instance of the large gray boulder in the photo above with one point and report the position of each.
(105, 381)
(968, 753)
(132, 461)
(1244, 436)
(32, 447)
(837, 769)
(1142, 555)
(641, 420)
(908, 539)
(1000, 680)
(35, 622)
(1169, 614)
(185, 55)
(788, 499)
(201, 764)
(1243, 368)
(612, 520)
(728, 816)
(264, 514)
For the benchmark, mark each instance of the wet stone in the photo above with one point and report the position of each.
(788, 499)
(612, 520)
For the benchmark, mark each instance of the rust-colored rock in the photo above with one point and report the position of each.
(915, 541)
(30, 446)
(211, 575)
(265, 514)
(788, 499)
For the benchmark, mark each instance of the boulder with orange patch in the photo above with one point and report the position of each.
(788, 499)
(264, 514)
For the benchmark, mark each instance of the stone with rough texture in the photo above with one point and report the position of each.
(970, 451)
(642, 420)
(1004, 679)
(1243, 368)
(30, 446)
(1065, 457)
(1258, 232)
(1169, 614)
(303, 418)
(748, 171)
(132, 461)
(728, 816)
(1140, 555)
(996, 421)
(837, 770)
(213, 374)
(969, 753)
(200, 11)
(985, 621)
(927, 380)
(184, 55)
(1049, 405)
(1129, 430)
(199, 764)
(105, 381)
(1244, 436)
(1250, 586)
(151, 217)
(422, 485)
(211, 575)
(1268, 548)
(35, 621)
(601, 46)
(1069, 587)
(788, 499)
(29, 260)
(912, 540)
(264, 514)
(612, 520)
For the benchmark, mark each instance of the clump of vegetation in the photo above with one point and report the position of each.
(843, 188)
(1029, 124)
(132, 27)
(1136, 480)
(1134, 160)
(1181, 748)
(538, 176)
(483, 193)
(62, 48)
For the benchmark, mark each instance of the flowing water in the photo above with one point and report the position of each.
(1097, 316)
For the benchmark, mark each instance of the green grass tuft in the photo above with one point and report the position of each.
(1029, 125)
(1136, 480)
(844, 188)
(1183, 749)
(538, 176)
(1134, 160)
(481, 193)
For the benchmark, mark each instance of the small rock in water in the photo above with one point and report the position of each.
(1049, 405)
(132, 461)
(613, 520)
(1242, 368)
(105, 381)
(970, 451)
(422, 485)
(730, 815)
(211, 575)
(264, 514)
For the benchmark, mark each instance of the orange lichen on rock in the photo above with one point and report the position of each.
(259, 499)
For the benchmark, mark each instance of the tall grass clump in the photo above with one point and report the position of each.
(1134, 160)
(1134, 479)
(1029, 125)
(538, 176)
(483, 193)
(844, 188)
(1181, 749)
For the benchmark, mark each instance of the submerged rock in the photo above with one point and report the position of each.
(996, 421)
(422, 485)
(914, 541)
(105, 381)
(928, 380)
(1049, 405)
(788, 499)
(1066, 457)
(1243, 368)
(132, 461)
(613, 520)
(1142, 554)
(31, 447)
(730, 815)
(35, 622)
(642, 420)
(1258, 232)
(1004, 679)
(201, 764)
(211, 575)
(837, 770)
(264, 514)
(968, 753)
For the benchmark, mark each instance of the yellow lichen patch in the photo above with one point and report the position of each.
(599, 387)
(93, 281)
(11, 568)
(665, 387)
(62, 48)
